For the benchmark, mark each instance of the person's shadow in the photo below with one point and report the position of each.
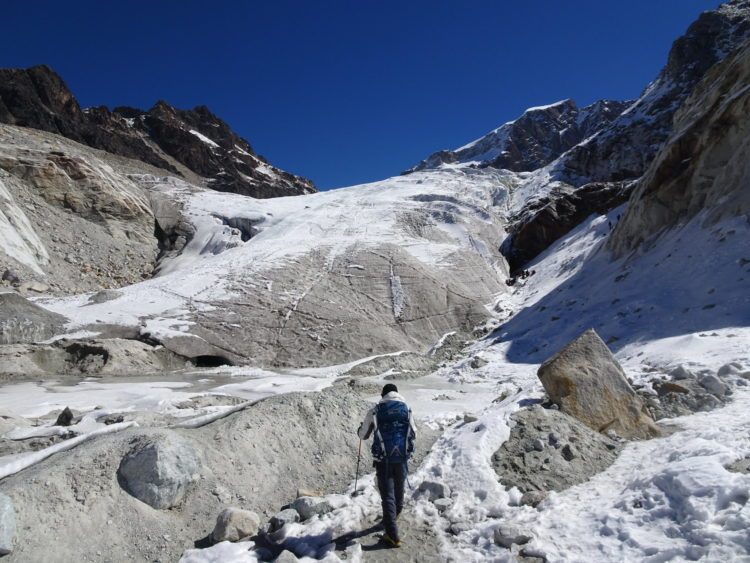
(342, 541)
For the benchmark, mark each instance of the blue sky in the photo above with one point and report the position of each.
(345, 92)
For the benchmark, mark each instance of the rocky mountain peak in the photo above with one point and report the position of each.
(182, 142)
(534, 139)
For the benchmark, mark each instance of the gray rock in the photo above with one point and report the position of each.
(588, 384)
(680, 373)
(233, 524)
(470, 418)
(538, 445)
(434, 490)
(11, 277)
(286, 516)
(666, 387)
(103, 296)
(34, 287)
(159, 470)
(460, 527)
(22, 321)
(714, 385)
(65, 417)
(307, 507)
(740, 466)
(443, 504)
(533, 498)
(506, 535)
(583, 454)
(7, 524)
(477, 362)
(732, 368)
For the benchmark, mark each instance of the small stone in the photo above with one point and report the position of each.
(307, 507)
(470, 418)
(680, 373)
(287, 516)
(507, 535)
(11, 277)
(443, 504)
(434, 490)
(533, 498)
(65, 417)
(233, 524)
(459, 527)
(568, 453)
(538, 445)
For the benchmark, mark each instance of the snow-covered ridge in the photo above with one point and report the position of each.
(532, 140)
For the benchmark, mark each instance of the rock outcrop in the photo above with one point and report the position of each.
(705, 166)
(175, 140)
(159, 470)
(586, 381)
(22, 321)
(625, 148)
(546, 220)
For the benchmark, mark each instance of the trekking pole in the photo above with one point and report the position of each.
(359, 454)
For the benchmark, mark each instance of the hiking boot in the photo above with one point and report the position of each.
(388, 540)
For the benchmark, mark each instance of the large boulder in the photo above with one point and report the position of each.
(7, 524)
(233, 524)
(586, 381)
(22, 321)
(159, 470)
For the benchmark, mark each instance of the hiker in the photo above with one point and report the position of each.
(391, 424)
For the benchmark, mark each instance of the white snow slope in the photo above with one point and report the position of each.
(686, 302)
(398, 261)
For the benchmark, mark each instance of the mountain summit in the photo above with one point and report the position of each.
(536, 138)
(189, 143)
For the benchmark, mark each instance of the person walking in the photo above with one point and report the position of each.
(391, 424)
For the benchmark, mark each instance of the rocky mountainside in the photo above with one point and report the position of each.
(704, 169)
(190, 143)
(533, 140)
(620, 153)
(625, 148)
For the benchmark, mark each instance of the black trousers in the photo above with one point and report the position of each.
(391, 478)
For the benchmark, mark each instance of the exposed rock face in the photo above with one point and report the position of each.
(22, 321)
(536, 138)
(109, 356)
(233, 524)
(586, 381)
(624, 149)
(705, 166)
(570, 452)
(556, 215)
(159, 470)
(72, 211)
(171, 139)
(7, 524)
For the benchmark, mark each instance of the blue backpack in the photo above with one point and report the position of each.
(394, 441)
